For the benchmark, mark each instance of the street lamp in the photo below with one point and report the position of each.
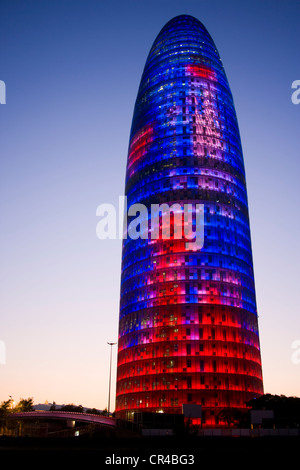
(108, 407)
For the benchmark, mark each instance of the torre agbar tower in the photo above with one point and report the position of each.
(188, 331)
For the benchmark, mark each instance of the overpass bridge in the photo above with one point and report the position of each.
(66, 416)
(56, 423)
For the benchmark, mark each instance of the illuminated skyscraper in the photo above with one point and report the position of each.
(188, 331)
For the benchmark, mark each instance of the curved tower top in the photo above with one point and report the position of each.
(188, 330)
(195, 42)
(184, 38)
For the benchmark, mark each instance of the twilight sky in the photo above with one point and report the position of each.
(72, 70)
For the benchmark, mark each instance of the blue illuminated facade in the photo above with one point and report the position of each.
(188, 330)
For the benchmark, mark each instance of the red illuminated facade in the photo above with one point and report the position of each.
(188, 330)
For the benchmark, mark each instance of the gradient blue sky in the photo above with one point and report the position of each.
(72, 70)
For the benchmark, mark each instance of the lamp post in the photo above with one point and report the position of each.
(108, 407)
